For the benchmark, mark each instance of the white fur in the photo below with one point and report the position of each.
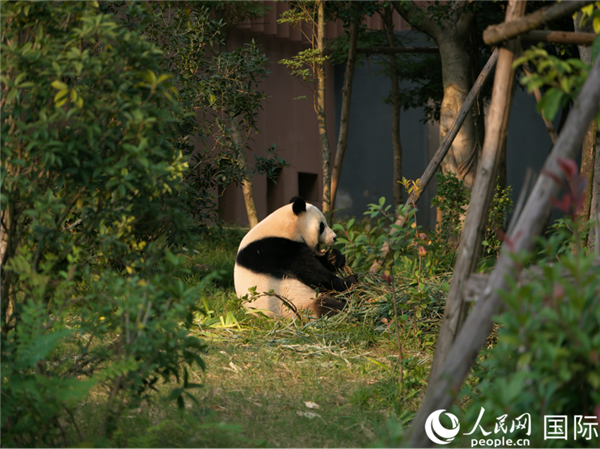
(283, 223)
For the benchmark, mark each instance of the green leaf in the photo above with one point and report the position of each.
(59, 85)
(550, 103)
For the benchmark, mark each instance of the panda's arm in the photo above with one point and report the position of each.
(309, 270)
(280, 257)
(332, 260)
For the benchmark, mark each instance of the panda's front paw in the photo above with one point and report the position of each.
(350, 280)
(336, 258)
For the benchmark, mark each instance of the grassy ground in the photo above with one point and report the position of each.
(334, 382)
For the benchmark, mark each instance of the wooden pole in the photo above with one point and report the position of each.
(496, 34)
(489, 303)
(439, 155)
(559, 37)
(481, 194)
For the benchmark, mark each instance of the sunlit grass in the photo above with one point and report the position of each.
(333, 382)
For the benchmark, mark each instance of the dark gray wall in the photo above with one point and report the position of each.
(367, 173)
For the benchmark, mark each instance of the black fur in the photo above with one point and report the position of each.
(299, 205)
(333, 260)
(280, 257)
(329, 306)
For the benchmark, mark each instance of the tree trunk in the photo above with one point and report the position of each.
(457, 80)
(388, 23)
(589, 154)
(320, 109)
(439, 155)
(588, 159)
(594, 235)
(345, 110)
(451, 34)
(247, 188)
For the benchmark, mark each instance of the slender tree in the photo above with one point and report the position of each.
(320, 110)
(388, 24)
(353, 30)
(590, 162)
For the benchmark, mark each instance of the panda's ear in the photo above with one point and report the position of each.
(299, 205)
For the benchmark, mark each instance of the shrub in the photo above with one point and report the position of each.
(547, 359)
(90, 182)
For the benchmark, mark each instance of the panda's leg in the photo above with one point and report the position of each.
(329, 306)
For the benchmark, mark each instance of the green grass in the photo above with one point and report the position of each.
(263, 375)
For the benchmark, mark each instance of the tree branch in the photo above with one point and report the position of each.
(395, 50)
(415, 16)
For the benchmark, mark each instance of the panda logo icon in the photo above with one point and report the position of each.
(437, 432)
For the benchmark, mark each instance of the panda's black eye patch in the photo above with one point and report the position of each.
(321, 228)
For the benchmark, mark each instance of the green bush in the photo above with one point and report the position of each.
(452, 199)
(90, 182)
(547, 360)
(218, 91)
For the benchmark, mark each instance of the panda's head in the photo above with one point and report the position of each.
(297, 221)
(311, 226)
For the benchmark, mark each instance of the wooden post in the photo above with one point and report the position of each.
(481, 194)
(439, 155)
(489, 303)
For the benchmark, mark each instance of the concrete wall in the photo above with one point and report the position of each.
(368, 173)
(290, 124)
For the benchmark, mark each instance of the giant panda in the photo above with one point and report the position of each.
(283, 253)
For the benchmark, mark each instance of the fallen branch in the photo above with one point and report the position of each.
(496, 34)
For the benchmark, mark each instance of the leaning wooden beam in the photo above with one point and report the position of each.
(394, 50)
(559, 37)
(439, 155)
(495, 34)
(530, 224)
(478, 282)
(481, 194)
